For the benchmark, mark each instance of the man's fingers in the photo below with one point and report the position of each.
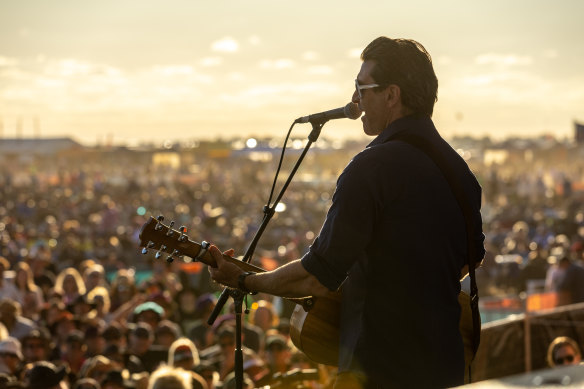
(216, 254)
(229, 252)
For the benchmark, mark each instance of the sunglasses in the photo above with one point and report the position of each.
(567, 358)
(359, 88)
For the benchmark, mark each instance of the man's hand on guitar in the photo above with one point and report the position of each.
(225, 273)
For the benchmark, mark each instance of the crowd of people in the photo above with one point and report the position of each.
(81, 307)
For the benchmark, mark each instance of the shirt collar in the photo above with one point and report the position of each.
(414, 122)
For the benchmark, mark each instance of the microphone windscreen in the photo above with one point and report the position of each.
(352, 111)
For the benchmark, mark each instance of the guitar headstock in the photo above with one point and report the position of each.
(163, 238)
(156, 235)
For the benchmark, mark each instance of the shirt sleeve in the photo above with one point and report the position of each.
(347, 229)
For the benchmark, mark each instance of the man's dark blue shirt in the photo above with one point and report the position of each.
(395, 239)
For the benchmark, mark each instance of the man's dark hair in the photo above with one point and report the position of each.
(407, 64)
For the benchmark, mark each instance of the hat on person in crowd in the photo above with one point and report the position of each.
(230, 382)
(37, 333)
(141, 330)
(168, 327)
(183, 349)
(11, 346)
(183, 352)
(204, 302)
(8, 381)
(44, 375)
(149, 306)
(87, 383)
(113, 332)
(75, 336)
(116, 377)
(276, 341)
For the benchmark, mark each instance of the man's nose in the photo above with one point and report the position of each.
(355, 98)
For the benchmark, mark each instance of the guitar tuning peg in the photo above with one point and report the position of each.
(159, 253)
(170, 231)
(174, 253)
(182, 237)
(149, 245)
(159, 224)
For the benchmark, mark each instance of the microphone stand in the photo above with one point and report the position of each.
(237, 294)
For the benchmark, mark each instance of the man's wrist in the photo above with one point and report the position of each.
(241, 282)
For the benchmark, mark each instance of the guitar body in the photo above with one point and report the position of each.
(314, 330)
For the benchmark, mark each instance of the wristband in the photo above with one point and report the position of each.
(241, 282)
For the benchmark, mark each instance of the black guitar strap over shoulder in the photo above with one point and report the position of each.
(457, 189)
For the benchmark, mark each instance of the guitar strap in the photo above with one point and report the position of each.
(431, 151)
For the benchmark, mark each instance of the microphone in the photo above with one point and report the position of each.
(349, 111)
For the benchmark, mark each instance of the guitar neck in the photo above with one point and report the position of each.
(157, 236)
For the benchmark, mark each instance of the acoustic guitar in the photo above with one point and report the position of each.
(314, 324)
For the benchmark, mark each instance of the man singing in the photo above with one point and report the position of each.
(394, 240)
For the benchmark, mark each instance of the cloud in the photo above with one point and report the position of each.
(255, 40)
(503, 60)
(323, 70)
(283, 63)
(310, 56)
(444, 60)
(282, 93)
(550, 53)
(6, 61)
(355, 53)
(211, 61)
(225, 45)
(174, 70)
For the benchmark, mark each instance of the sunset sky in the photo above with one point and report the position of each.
(152, 70)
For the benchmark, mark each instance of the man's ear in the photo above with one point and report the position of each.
(393, 95)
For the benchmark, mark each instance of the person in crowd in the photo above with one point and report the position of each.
(36, 345)
(166, 333)
(69, 285)
(99, 298)
(231, 383)
(150, 313)
(396, 87)
(123, 288)
(277, 354)
(115, 334)
(186, 314)
(7, 288)
(264, 316)
(141, 345)
(74, 352)
(93, 276)
(570, 282)
(184, 354)
(97, 367)
(114, 379)
(94, 340)
(46, 375)
(166, 377)
(10, 356)
(30, 296)
(563, 351)
(201, 332)
(11, 317)
(206, 370)
(87, 383)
